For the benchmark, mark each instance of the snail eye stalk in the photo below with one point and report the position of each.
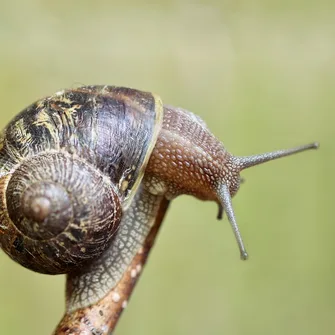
(225, 198)
(242, 163)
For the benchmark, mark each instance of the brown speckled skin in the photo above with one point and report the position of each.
(188, 159)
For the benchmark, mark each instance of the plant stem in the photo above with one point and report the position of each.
(102, 317)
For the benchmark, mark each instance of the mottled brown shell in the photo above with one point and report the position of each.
(69, 164)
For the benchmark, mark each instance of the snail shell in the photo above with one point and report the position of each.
(69, 166)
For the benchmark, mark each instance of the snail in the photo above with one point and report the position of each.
(82, 174)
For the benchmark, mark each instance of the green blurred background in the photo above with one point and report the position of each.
(261, 74)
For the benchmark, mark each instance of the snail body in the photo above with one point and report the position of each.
(82, 174)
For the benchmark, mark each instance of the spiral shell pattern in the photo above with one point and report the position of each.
(60, 213)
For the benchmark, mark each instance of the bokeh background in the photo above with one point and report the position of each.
(262, 75)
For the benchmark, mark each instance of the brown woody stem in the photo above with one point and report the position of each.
(102, 317)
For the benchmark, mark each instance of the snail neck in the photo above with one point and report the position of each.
(187, 157)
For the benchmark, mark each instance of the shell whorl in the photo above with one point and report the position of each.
(70, 164)
(61, 210)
